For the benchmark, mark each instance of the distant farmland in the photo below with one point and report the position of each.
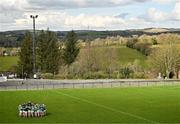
(127, 55)
(124, 56)
(7, 62)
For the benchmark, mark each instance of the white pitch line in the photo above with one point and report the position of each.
(107, 108)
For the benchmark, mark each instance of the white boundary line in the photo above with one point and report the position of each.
(107, 108)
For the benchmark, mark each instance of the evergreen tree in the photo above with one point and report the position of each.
(25, 63)
(41, 51)
(48, 53)
(71, 49)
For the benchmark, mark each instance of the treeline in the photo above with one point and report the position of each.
(143, 47)
(165, 60)
(14, 38)
(50, 54)
(10, 41)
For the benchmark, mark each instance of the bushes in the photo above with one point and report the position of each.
(131, 42)
(139, 75)
(126, 72)
(123, 73)
(47, 76)
(144, 48)
(99, 75)
(154, 41)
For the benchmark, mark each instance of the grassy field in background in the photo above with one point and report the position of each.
(123, 105)
(127, 55)
(6, 62)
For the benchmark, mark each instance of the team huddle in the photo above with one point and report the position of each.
(32, 110)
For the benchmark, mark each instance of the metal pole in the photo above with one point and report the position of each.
(34, 65)
(34, 52)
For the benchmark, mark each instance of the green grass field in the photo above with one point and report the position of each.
(127, 55)
(123, 105)
(7, 62)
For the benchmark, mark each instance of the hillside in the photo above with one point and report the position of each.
(124, 56)
(14, 38)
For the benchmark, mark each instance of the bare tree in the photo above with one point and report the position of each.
(166, 59)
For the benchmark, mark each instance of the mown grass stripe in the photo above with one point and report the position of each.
(107, 108)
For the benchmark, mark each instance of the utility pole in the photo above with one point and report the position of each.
(34, 53)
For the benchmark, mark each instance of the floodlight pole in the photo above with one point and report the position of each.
(34, 53)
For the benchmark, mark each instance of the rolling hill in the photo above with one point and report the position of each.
(14, 38)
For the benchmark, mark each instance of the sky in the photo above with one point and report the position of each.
(61, 15)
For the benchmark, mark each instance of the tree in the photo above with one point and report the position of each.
(25, 63)
(48, 52)
(42, 46)
(154, 41)
(166, 60)
(126, 72)
(71, 49)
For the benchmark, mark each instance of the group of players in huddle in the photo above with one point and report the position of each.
(32, 110)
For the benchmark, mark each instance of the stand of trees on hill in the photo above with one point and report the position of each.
(166, 60)
(50, 54)
(25, 63)
(143, 47)
(112, 57)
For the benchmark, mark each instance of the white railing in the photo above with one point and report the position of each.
(61, 84)
(3, 78)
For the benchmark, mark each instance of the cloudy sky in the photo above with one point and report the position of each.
(95, 14)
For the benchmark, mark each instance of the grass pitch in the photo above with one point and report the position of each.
(117, 105)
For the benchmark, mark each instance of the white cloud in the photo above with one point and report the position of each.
(176, 11)
(155, 15)
(63, 20)
(13, 5)
(163, 1)
(14, 14)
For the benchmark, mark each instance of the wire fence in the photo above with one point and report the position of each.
(50, 84)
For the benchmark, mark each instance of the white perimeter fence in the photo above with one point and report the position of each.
(63, 84)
